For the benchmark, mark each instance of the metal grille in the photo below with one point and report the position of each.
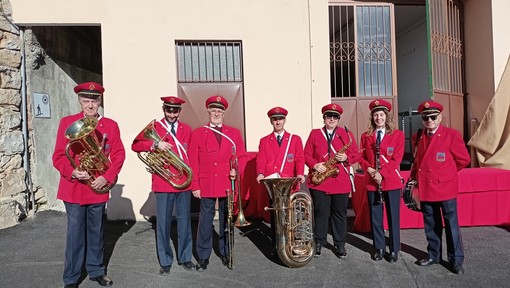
(360, 51)
(374, 48)
(342, 51)
(206, 62)
(446, 45)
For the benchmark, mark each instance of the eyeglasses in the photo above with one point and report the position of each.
(332, 116)
(431, 117)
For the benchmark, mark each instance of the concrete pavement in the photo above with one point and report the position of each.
(32, 256)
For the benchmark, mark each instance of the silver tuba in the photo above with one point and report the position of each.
(293, 218)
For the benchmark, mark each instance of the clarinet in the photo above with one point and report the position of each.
(380, 198)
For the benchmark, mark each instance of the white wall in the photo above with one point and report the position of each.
(285, 54)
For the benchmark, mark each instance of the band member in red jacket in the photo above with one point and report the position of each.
(383, 133)
(441, 154)
(332, 195)
(175, 136)
(84, 207)
(212, 148)
(280, 152)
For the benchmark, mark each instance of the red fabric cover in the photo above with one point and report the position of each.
(484, 194)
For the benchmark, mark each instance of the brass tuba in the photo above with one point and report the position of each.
(293, 214)
(159, 161)
(92, 159)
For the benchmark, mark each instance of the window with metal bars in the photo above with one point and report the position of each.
(360, 51)
(209, 61)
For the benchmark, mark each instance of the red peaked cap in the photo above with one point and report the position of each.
(89, 89)
(216, 101)
(379, 104)
(332, 108)
(429, 107)
(277, 112)
(172, 101)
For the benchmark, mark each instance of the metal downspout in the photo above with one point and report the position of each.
(29, 195)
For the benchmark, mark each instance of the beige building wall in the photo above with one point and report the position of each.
(479, 57)
(285, 59)
(501, 41)
(487, 48)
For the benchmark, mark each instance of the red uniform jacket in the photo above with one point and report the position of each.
(210, 161)
(144, 145)
(72, 190)
(270, 156)
(437, 162)
(316, 151)
(392, 148)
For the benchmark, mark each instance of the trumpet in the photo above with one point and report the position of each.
(92, 159)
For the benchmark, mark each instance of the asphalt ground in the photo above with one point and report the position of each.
(32, 255)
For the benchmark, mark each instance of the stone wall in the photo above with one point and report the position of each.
(12, 174)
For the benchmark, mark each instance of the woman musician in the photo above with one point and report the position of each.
(323, 146)
(383, 181)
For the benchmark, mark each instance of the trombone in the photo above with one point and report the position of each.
(241, 220)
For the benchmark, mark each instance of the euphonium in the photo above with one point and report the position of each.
(293, 218)
(159, 161)
(331, 169)
(91, 158)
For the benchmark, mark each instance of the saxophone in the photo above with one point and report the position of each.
(331, 168)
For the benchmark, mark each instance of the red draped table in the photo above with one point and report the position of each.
(484, 200)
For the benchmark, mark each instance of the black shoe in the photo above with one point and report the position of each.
(457, 269)
(318, 248)
(378, 255)
(164, 270)
(393, 257)
(202, 265)
(188, 265)
(427, 262)
(224, 260)
(340, 252)
(71, 286)
(103, 280)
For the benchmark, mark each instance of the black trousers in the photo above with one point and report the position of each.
(324, 206)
